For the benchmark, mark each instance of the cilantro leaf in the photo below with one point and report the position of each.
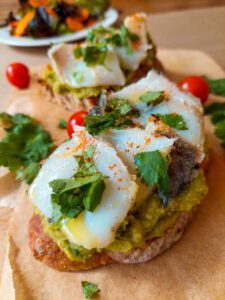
(89, 289)
(62, 124)
(127, 37)
(220, 131)
(173, 120)
(97, 124)
(121, 105)
(83, 191)
(217, 86)
(92, 55)
(151, 97)
(119, 114)
(9, 122)
(29, 173)
(109, 36)
(96, 34)
(94, 195)
(64, 185)
(214, 108)
(66, 204)
(25, 143)
(217, 114)
(152, 168)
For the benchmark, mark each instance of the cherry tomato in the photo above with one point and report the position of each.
(18, 75)
(197, 86)
(76, 119)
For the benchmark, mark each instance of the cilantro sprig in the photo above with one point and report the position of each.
(92, 55)
(110, 36)
(81, 192)
(173, 120)
(24, 145)
(152, 168)
(217, 86)
(89, 289)
(119, 114)
(217, 114)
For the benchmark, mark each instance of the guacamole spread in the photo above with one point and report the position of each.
(149, 221)
(59, 87)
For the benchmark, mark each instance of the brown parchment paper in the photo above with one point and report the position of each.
(194, 268)
(5, 214)
(33, 103)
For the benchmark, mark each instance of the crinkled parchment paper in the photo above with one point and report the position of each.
(194, 268)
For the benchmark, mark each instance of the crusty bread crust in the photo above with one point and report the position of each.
(46, 250)
(156, 246)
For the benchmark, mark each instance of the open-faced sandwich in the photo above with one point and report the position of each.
(125, 186)
(106, 61)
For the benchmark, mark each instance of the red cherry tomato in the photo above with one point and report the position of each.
(197, 86)
(18, 75)
(76, 119)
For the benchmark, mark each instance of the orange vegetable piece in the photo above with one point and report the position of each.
(91, 23)
(135, 45)
(38, 3)
(84, 14)
(22, 24)
(74, 24)
(13, 24)
(51, 12)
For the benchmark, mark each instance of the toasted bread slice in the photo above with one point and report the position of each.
(46, 250)
(71, 103)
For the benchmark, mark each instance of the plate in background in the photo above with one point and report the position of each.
(110, 17)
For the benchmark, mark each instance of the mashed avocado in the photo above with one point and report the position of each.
(152, 219)
(73, 252)
(149, 221)
(58, 87)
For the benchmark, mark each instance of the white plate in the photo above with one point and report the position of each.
(110, 16)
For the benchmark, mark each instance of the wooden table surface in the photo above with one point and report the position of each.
(127, 7)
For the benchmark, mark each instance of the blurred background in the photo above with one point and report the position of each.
(177, 24)
(130, 6)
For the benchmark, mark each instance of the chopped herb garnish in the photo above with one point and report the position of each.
(110, 36)
(97, 34)
(152, 97)
(92, 55)
(173, 120)
(152, 168)
(121, 105)
(94, 195)
(217, 114)
(119, 114)
(62, 124)
(65, 185)
(217, 86)
(29, 173)
(127, 37)
(83, 191)
(24, 144)
(89, 289)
